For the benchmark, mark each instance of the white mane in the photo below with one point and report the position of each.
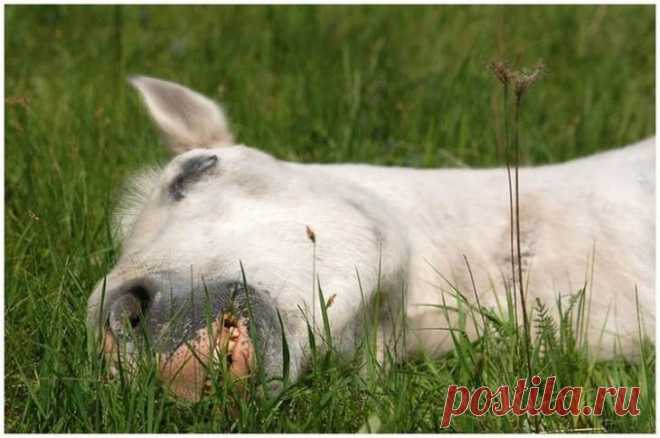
(133, 196)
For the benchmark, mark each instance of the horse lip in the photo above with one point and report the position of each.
(186, 371)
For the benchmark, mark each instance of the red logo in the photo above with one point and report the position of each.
(502, 401)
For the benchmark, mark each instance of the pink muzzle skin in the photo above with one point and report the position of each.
(185, 371)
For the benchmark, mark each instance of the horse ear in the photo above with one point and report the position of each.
(187, 119)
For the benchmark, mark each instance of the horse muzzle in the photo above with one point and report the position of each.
(193, 329)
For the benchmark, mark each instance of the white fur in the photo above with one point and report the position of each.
(398, 228)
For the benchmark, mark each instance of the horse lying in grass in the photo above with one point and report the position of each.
(224, 249)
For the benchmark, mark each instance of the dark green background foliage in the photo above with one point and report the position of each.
(388, 85)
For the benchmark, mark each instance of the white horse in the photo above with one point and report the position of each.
(187, 227)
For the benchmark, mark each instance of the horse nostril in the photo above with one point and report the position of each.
(129, 308)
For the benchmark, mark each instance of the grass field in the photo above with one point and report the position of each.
(387, 85)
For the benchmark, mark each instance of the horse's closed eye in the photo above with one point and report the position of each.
(191, 171)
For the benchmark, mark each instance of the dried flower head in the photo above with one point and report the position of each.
(502, 71)
(310, 234)
(524, 79)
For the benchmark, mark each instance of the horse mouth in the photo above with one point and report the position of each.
(187, 371)
(193, 336)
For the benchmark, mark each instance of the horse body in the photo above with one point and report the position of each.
(223, 224)
(587, 222)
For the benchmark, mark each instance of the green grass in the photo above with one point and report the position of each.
(387, 85)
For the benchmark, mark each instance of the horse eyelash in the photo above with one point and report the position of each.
(191, 171)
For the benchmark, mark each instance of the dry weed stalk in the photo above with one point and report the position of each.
(521, 81)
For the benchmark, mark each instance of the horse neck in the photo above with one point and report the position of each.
(445, 213)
